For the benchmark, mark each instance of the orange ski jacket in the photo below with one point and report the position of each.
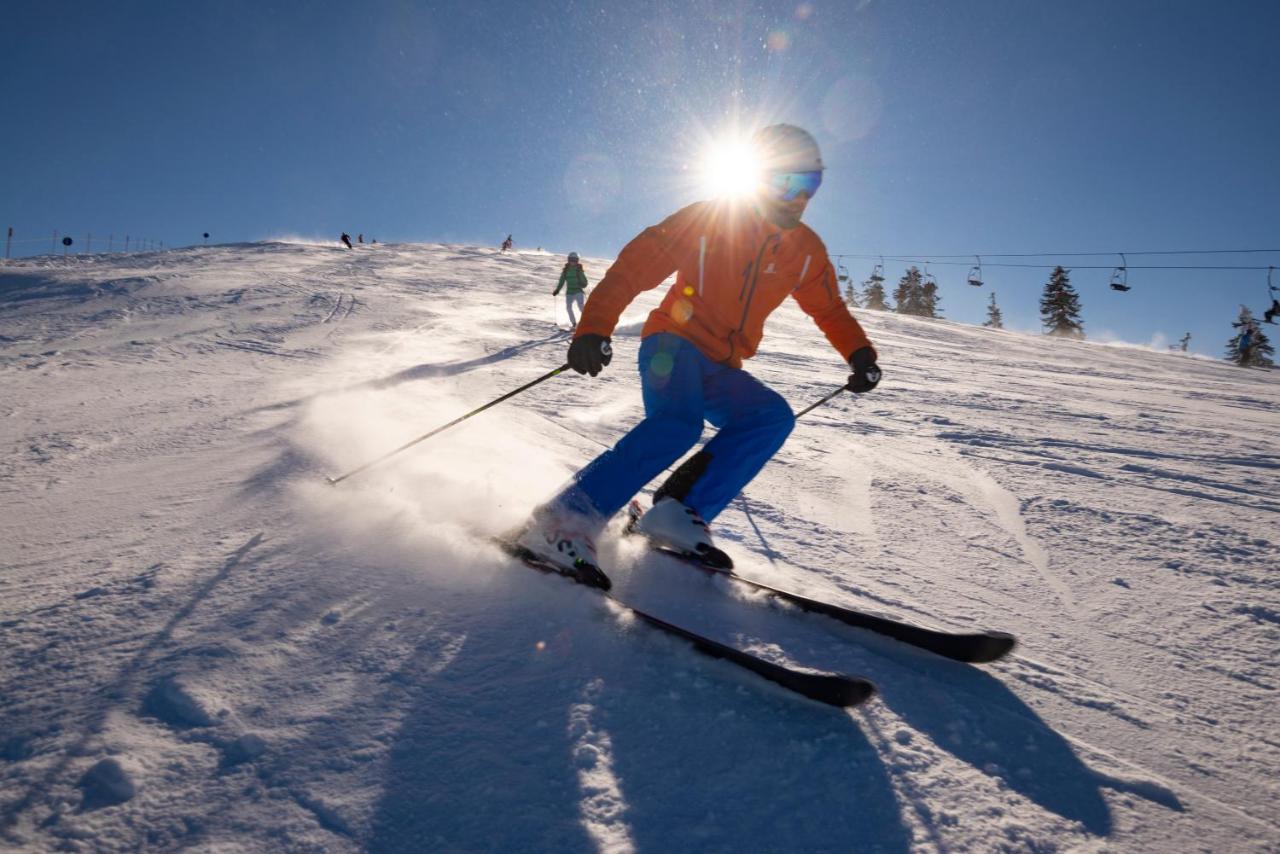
(733, 268)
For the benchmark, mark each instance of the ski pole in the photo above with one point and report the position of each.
(814, 406)
(443, 427)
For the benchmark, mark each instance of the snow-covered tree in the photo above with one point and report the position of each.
(906, 296)
(916, 296)
(851, 296)
(873, 295)
(995, 319)
(1259, 351)
(1060, 306)
(929, 299)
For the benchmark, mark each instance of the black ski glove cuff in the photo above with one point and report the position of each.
(589, 353)
(866, 373)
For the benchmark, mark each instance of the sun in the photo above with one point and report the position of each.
(730, 169)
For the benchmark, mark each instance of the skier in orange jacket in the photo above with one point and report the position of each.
(735, 262)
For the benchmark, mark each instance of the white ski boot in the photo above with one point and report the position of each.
(563, 547)
(672, 526)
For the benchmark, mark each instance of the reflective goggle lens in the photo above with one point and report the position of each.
(788, 185)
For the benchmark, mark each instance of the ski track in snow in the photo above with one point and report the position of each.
(205, 646)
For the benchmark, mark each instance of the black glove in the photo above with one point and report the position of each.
(588, 354)
(866, 373)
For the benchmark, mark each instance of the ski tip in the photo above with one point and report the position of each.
(714, 558)
(592, 576)
(992, 646)
(856, 692)
(835, 689)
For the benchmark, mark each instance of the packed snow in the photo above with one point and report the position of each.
(206, 645)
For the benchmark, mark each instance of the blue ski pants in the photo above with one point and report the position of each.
(683, 388)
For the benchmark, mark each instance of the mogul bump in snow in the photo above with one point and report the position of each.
(735, 262)
(574, 281)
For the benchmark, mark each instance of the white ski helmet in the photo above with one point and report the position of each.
(787, 148)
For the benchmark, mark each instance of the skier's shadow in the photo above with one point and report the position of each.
(565, 731)
(973, 716)
(962, 709)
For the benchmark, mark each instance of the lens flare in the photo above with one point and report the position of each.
(731, 169)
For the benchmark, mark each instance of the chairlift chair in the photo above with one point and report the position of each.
(877, 272)
(842, 272)
(928, 277)
(1273, 310)
(1120, 276)
(975, 274)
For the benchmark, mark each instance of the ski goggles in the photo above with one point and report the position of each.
(786, 186)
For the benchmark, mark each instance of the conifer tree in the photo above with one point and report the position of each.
(1060, 306)
(929, 299)
(851, 296)
(873, 295)
(1259, 351)
(995, 319)
(907, 295)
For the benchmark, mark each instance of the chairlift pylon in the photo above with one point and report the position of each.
(1120, 275)
(975, 275)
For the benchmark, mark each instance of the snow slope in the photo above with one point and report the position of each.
(204, 645)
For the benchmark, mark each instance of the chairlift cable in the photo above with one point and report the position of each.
(1065, 254)
(986, 264)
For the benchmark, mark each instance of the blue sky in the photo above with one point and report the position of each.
(948, 128)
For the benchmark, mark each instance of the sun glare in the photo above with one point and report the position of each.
(730, 170)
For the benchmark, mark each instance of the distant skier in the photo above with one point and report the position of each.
(1270, 314)
(359, 238)
(574, 281)
(346, 240)
(735, 262)
(1186, 340)
(1245, 344)
(507, 244)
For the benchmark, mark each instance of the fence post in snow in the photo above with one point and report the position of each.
(7, 241)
